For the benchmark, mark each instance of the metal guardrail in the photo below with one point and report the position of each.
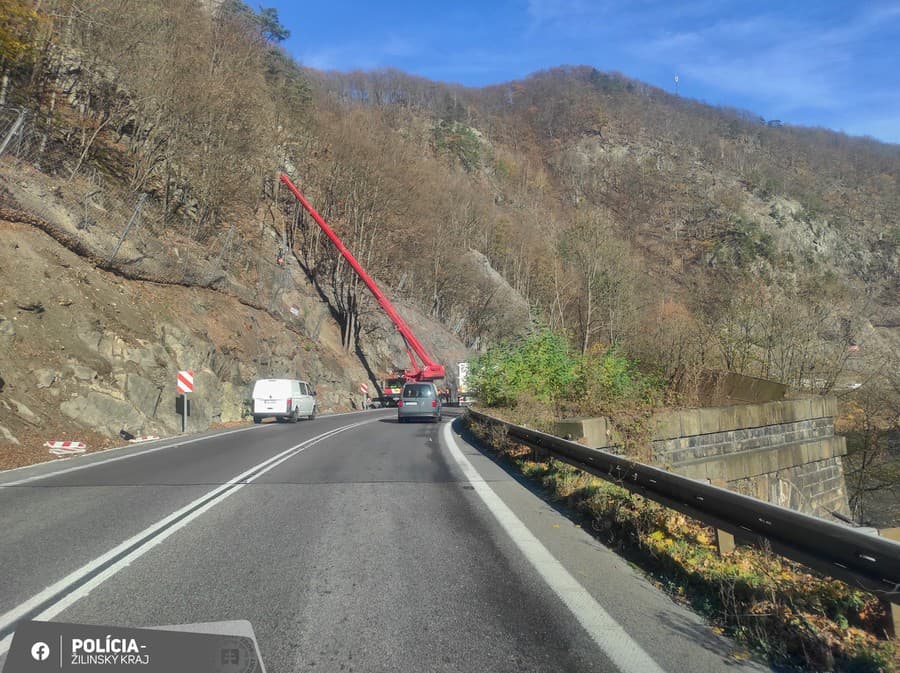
(867, 561)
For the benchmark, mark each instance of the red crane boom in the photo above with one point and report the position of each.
(429, 369)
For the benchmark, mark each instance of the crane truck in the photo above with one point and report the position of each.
(391, 389)
(423, 369)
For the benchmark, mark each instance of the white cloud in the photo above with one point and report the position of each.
(886, 129)
(788, 65)
(769, 56)
(353, 56)
(322, 59)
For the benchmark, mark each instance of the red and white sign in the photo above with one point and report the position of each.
(66, 448)
(143, 438)
(66, 445)
(186, 381)
(363, 388)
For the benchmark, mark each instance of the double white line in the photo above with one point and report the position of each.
(57, 597)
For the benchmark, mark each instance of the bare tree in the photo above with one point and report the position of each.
(603, 263)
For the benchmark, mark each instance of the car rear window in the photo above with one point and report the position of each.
(275, 388)
(418, 390)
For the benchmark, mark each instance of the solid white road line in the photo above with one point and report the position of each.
(86, 465)
(615, 642)
(152, 449)
(142, 543)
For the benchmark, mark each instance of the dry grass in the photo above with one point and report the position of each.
(791, 616)
(31, 449)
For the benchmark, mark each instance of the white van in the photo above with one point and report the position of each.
(283, 399)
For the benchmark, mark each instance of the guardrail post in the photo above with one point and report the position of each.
(724, 542)
(539, 455)
(893, 608)
(839, 551)
(895, 620)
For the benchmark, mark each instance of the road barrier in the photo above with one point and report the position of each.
(858, 558)
(66, 448)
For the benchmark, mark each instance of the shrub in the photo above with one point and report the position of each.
(460, 142)
(606, 377)
(539, 365)
(796, 619)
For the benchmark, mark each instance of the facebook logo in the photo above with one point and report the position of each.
(40, 651)
(231, 656)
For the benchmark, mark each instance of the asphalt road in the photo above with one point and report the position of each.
(351, 543)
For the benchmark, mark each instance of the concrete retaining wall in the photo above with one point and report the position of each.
(783, 452)
(718, 388)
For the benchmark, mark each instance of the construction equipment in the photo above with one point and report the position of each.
(423, 369)
(463, 394)
(391, 389)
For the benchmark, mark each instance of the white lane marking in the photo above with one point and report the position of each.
(151, 536)
(86, 465)
(144, 452)
(615, 642)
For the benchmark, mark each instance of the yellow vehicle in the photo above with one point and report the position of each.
(391, 390)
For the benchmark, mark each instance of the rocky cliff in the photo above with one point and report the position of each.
(89, 348)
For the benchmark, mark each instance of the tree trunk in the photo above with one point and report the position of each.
(587, 322)
(4, 86)
(87, 146)
(49, 121)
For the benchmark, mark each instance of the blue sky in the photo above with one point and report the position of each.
(816, 63)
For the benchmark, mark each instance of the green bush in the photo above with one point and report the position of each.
(608, 376)
(542, 367)
(539, 366)
(459, 141)
(744, 243)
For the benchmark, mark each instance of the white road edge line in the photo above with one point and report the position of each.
(86, 465)
(155, 533)
(152, 449)
(609, 635)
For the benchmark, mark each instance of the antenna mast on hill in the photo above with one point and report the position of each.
(676, 85)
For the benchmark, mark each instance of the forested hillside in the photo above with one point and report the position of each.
(204, 109)
(617, 213)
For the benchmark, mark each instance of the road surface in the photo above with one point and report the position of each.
(351, 543)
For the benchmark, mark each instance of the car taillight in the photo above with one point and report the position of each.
(289, 403)
(434, 403)
(399, 403)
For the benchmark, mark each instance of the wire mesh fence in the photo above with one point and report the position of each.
(50, 174)
(46, 174)
(12, 124)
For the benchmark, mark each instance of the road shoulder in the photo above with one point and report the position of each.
(672, 636)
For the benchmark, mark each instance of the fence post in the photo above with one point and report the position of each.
(224, 248)
(13, 131)
(724, 542)
(137, 211)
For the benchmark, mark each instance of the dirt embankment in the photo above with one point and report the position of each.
(85, 353)
(89, 347)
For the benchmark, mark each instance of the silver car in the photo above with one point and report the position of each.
(419, 400)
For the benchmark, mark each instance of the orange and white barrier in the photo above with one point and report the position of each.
(66, 448)
(144, 438)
